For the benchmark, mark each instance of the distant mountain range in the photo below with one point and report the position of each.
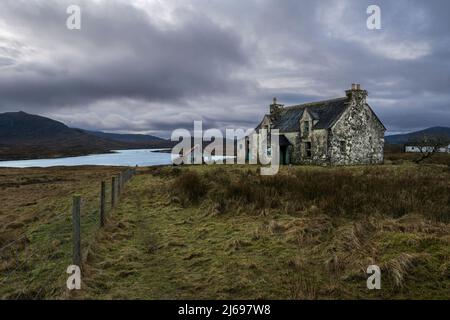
(408, 137)
(27, 136)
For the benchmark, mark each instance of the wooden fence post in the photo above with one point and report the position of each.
(119, 184)
(113, 192)
(102, 204)
(76, 225)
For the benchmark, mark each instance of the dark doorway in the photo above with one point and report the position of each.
(284, 150)
(284, 155)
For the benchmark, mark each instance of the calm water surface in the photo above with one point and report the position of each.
(141, 157)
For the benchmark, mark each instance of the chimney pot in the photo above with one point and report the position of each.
(353, 86)
(358, 87)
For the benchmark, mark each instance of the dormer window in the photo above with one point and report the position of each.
(306, 128)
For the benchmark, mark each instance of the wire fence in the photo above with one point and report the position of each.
(35, 269)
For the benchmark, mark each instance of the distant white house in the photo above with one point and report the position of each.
(426, 149)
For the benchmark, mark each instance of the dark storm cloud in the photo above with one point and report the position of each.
(159, 65)
(118, 53)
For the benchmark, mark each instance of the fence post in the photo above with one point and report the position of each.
(119, 184)
(102, 204)
(76, 236)
(113, 192)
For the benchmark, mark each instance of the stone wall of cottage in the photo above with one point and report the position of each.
(357, 137)
(317, 138)
(297, 152)
(319, 147)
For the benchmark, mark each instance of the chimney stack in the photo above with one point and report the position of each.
(275, 109)
(356, 94)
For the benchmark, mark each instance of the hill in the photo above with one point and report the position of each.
(28, 136)
(405, 138)
(134, 138)
(133, 141)
(20, 126)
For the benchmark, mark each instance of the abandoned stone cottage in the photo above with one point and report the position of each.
(342, 131)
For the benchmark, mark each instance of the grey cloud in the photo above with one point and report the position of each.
(5, 61)
(222, 61)
(121, 54)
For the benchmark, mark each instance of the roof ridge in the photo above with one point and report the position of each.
(312, 104)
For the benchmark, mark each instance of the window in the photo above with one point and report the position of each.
(343, 147)
(306, 129)
(308, 149)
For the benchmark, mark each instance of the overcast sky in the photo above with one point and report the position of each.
(156, 65)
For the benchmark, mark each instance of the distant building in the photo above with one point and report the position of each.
(342, 131)
(426, 149)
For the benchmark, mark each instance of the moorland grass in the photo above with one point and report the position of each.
(211, 232)
(308, 233)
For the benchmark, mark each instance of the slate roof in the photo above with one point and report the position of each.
(284, 141)
(327, 112)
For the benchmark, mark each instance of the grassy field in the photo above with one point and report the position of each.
(35, 226)
(210, 232)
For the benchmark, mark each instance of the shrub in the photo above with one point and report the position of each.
(189, 187)
(392, 191)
